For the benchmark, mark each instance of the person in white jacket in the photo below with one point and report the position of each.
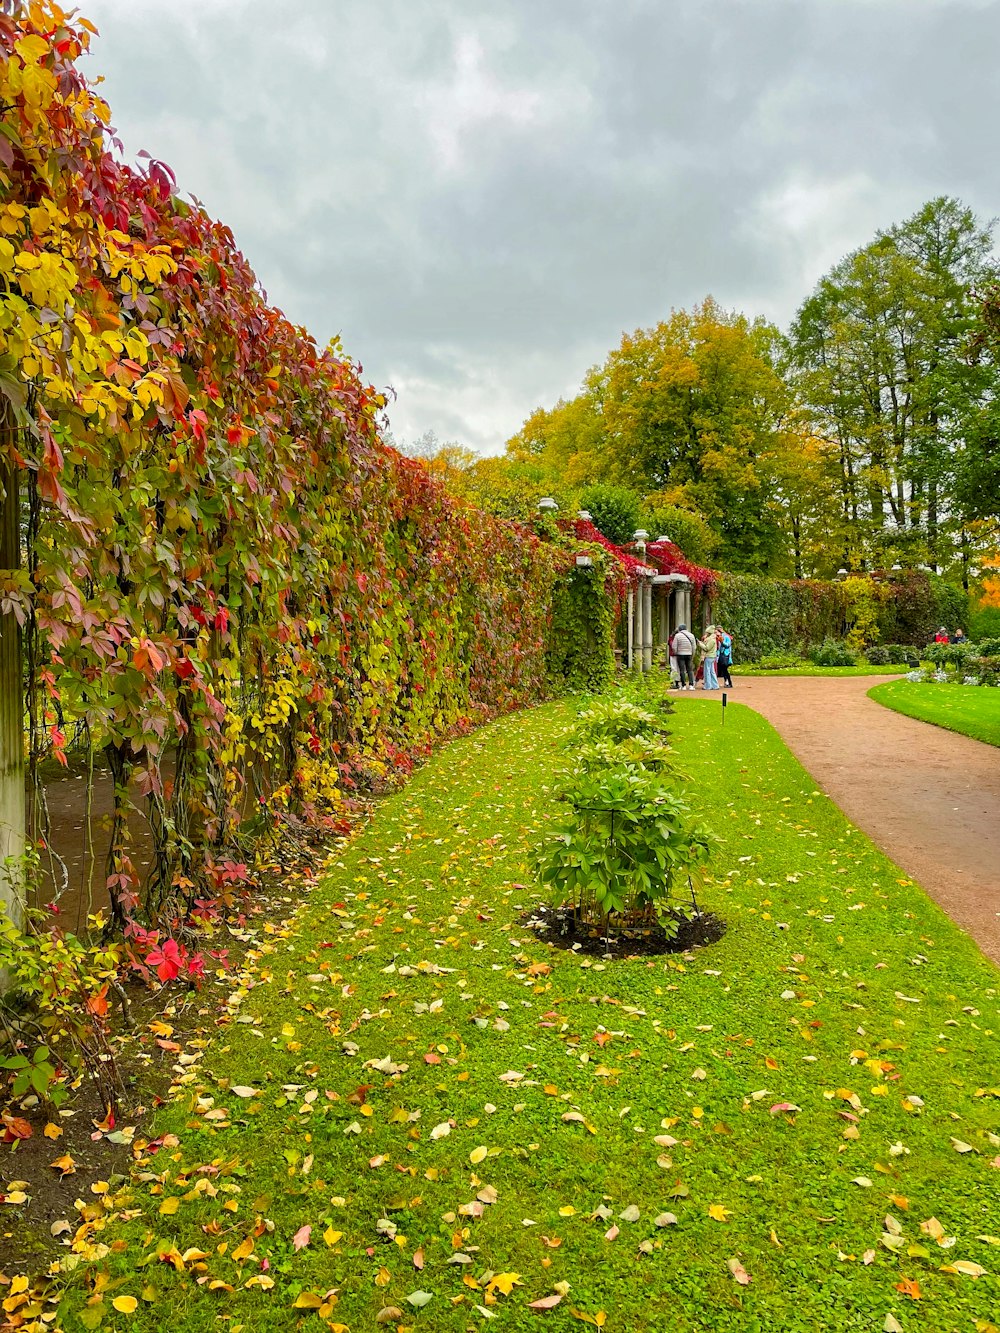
(682, 646)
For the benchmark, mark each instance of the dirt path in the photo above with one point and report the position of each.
(927, 797)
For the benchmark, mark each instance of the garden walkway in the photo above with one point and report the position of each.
(927, 797)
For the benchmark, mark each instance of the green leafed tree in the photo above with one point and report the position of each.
(881, 348)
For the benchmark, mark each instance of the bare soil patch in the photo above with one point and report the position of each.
(558, 926)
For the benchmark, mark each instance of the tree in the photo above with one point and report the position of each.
(692, 407)
(880, 352)
(687, 528)
(614, 509)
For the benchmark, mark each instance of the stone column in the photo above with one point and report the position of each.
(629, 629)
(664, 625)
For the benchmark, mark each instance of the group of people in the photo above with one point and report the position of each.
(942, 636)
(715, 658)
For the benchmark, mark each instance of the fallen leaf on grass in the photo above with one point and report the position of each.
(598, 1320)
(545, 1303)
(243, 1250)
(739, 1272)
(504, 1283)
(418, 1299)
(242, 1090)
(718, 1212)
(389, 1314)
(910, 1287)
(478, 1155)
(301, 1238)
(125, 1304)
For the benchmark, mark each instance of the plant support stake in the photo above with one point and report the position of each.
(725, 700)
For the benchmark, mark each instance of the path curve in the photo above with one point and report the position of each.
(929, 798)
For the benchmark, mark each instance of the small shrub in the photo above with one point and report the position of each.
(627, 843)
(989, 647)
(615, 720)
(951, 654)
(878, 656)
(833, 653)
(780, 661)
(634, 753)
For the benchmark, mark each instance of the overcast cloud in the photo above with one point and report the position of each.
(481, 197)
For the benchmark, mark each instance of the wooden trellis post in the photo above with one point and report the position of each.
(12, 827)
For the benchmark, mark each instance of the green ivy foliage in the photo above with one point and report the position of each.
(580, 653)
(769, 616)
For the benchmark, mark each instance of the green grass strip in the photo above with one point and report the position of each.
(820, 1082)
(973, 711)
(812, 670)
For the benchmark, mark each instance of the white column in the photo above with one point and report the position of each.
(630, 628)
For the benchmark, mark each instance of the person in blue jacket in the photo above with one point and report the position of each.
(724, 656)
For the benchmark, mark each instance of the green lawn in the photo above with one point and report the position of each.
(813, 670)
(801, 1097)
(974, 711)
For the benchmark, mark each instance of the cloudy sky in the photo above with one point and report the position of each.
(481, 195)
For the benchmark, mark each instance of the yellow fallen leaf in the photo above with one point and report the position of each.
(52, 1131)
(169, 1206)
(504, 1283)
(125, 1304)
(243, 1250)
(719, 1212)
(332, 1237)
(567, 1210)
(478, 1155)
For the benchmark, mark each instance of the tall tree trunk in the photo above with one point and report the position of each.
(12, 828)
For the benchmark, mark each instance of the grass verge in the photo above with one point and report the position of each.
(973, 711)
(812, 670)
(413, 1112)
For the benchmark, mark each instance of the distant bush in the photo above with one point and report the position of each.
(878, 656)
(833, 653)
(989, 647)
(950, 654)
(985, 670)
(780, 661)
(901, 654)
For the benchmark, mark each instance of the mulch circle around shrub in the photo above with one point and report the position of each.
(558, 926)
